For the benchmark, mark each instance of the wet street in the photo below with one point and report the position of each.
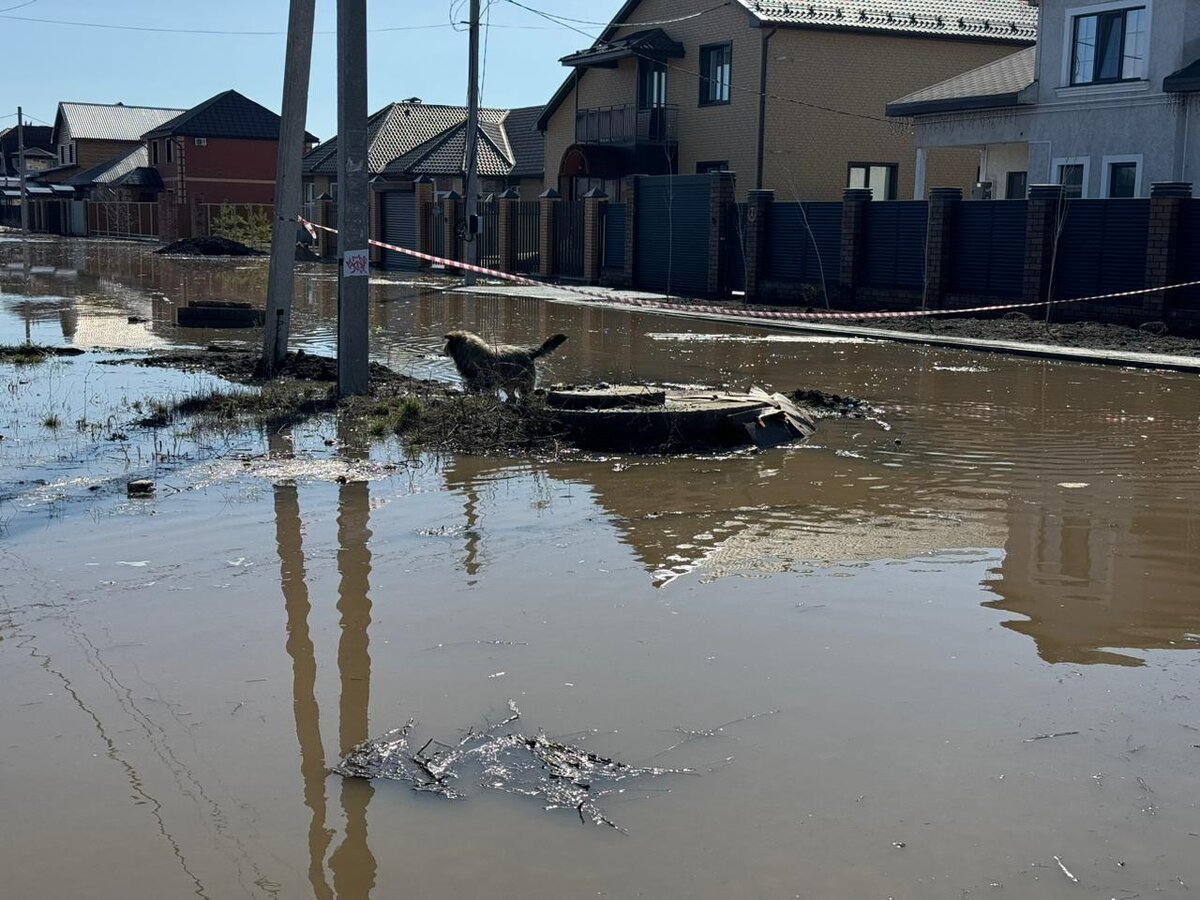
(952, 654)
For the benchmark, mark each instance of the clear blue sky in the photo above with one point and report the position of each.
(46, 63)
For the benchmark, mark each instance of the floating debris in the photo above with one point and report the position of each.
(1066, 871)
(1045, 737)
(559, 774)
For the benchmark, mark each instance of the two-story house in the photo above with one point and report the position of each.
(88, 134)
(222, 150)
(788, 94)
(39, 150)
(1102, 105)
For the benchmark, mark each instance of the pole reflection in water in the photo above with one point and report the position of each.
(352, 863)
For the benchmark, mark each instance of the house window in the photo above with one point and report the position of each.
(1016, 185)
(309, 191)
(1122, 176)
(1073, 177)
(879, 177)
(716, 71)
(703, 168)
(154, 153)
(1110, 46)
(170, 148)
(652, 84)
(201, 142)
(333, 188)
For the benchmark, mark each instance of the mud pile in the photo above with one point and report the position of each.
(208, 246)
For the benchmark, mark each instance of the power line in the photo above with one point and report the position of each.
(557, 18)
(782, 99)
(18, 6)
(207, 31)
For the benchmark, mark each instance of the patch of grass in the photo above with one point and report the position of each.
(52, 421)
(33, 354)
(483, 425)
(275, 405)
(396, 416)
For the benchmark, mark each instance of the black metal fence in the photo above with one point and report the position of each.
(568, 238)
(528, 248)
(489, 238)
(804, 242)
(987, 255)
(1102, 248)
(614, 236)
(895, 244)
(733, 246)
(435, 228)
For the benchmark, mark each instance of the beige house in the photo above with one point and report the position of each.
(788, 95)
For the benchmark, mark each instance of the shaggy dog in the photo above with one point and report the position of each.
(486, 368)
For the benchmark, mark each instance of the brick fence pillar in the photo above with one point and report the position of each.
(375, 221)
(506, 229)
(854, 224)
(450, 224)
(422, 198)
(326, 214)
(720, 196)
(1162, 247)
(549, 200)
(629, 193)
(595, 204)
(1044, 212)
(758, 214)
(943, 211)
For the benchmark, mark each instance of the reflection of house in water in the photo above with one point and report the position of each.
(1089, 572)
(352, 864)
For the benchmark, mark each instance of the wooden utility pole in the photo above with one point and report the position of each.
(353, 198)
(288, 162)
(471, 190)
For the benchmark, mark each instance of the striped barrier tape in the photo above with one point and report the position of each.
(662, 305)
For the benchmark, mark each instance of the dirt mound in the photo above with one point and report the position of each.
(208, 246)
(241, 365)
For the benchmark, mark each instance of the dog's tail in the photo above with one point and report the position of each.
(548, 345)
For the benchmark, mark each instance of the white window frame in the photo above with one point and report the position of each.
(1106, 173)
(1085, 161)
(201, 142)
(1068, 41)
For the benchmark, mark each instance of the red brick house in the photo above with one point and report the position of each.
(221, 151)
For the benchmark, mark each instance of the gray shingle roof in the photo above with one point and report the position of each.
(111, 122)
(113, 169)
(997, 84)
(227, 115)
(1014, 20)
(401, 135)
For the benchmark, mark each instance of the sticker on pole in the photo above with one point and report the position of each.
(356, 263)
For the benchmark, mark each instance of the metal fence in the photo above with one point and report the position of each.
(435, 228)
(489, 239)
(528, 251)
(733, 242)
(988, 248)
(568, 238)
(804, 242)
(895, 238)
(122, 220)
(614, 236)
(1102, 247)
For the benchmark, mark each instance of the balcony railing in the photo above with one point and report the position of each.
(627, 125)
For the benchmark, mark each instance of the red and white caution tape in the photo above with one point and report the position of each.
(741, 312)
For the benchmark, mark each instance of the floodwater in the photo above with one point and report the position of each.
(979, 631)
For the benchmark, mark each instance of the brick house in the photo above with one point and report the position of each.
(221, 151)
(88, 134)
(788, 95)
(1101, 105)
(410, 139)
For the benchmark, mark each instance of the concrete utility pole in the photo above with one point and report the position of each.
(471, 190)
(288, 160)
(21, 173)
(353, 197)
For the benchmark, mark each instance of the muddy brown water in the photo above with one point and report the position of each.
(1016, 557)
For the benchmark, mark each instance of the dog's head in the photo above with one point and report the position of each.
(455, 341)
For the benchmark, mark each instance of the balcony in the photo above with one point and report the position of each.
(627, 125)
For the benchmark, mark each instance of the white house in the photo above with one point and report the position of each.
(1104, 104)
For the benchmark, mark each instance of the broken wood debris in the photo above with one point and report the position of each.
(1046, 737)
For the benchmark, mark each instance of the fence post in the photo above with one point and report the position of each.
(854, 223)
(1162, 245)
(168, 218)
(422, 197)
(939, 238)
(720, 195)
(546, 255)
(758, 214)
(629, 193)
(450, 224)
(1042, 218)
(325, 240)
(506, 228)
(595, 205)
(374, 220)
